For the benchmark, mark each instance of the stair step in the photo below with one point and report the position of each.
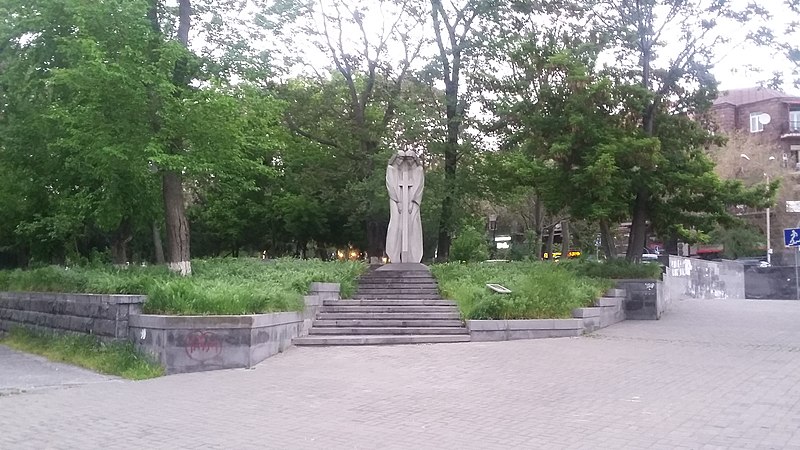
(389, 309)
(395, 289)
(387, 323)
(384, 316)
(396, 275)
(389, 302)
(400, 291)
(396, 282)
(396, 297)
(380, 339)
(386, 330)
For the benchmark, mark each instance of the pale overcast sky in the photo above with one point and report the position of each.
(732, 59)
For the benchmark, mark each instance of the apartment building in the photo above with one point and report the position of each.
(763, 126)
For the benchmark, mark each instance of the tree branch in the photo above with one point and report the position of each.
(296, 129)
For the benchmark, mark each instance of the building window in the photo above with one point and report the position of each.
(755, 125)
(794, 120)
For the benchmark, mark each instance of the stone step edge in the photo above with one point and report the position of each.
(366, 331)
(387, 323)
(381, 339)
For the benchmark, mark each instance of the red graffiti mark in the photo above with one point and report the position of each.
(202, 345)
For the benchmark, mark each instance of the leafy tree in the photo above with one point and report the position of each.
(470, 245)
(674, 72)
(458, 30)
(353, 108)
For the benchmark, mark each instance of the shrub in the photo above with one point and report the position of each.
(615, 269)
(217, 286)
(539, 290)
(469, 246)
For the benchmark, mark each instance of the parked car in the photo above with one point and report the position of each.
(753, 262)
(649, 255)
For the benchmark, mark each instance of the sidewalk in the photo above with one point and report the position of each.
(21, 372)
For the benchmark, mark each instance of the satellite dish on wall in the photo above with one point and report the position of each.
(764, 119)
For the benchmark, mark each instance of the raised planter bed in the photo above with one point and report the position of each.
(104, 316)
(200, 343)
(507, 330)
(608, 310)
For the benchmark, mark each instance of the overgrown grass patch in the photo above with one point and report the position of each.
(615, 269)
(120, 359)
(539, 290)
(217, 286)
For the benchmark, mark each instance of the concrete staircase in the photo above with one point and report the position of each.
(394, 304)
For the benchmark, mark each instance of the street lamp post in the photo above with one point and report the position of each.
(769, 241)
(769, 225)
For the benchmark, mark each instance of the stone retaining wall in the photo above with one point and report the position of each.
(105, 316)
(199, 343)
(697, 278)
(645, 299)
(509, 330)
(607, 311)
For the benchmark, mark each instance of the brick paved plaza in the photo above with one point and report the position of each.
(710, 374)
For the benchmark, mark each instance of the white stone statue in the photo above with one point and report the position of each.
(405, 181)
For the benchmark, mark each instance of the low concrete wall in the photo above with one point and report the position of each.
(697, 278)
(608, 310)
(644, 299)
(105, 316)
(775, 283)
(507, 330)
(199, 343)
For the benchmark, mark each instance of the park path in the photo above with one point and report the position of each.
(22, 372)
(710, 374)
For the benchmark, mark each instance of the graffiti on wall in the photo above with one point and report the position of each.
(202, 345)
(695, 278)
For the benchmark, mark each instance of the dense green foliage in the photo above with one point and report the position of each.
(219, 286)
(539, 290)
(739, 241)
(119, 359)
(103, 103)
(469, 246)
(614, 269)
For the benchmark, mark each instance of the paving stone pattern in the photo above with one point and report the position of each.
(22, 372)
(709, 374)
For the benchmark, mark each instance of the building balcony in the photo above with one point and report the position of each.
(790, 129)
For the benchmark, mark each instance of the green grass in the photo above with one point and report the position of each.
(119, 359)
(615, 269)
(227, 286)
(539, 290)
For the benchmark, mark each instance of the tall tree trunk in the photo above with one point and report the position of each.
(638, 238)
(638, 234)
(376, 239)
(450, 163)
(119, 245)
(607, 240)
(157, 244)
(450, 59)
(178, 254)
(671, 244)
(446, 219)
(551, 237)
(538, 223)
(565, 239)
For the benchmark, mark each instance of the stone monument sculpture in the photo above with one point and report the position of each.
(405, 180)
